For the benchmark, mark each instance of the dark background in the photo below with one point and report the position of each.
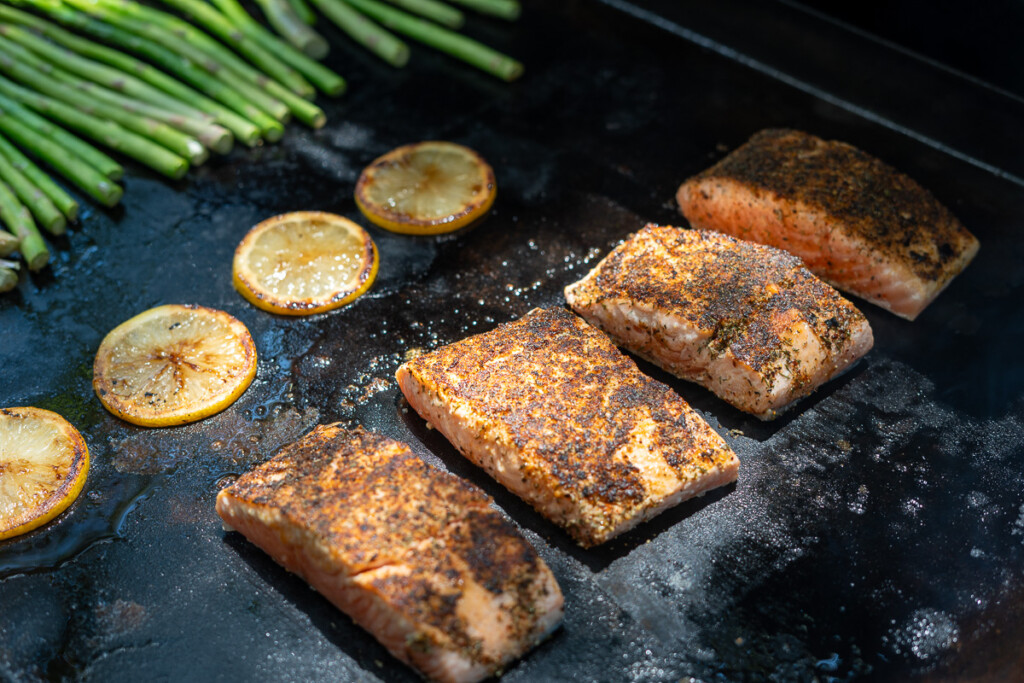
(876, 532)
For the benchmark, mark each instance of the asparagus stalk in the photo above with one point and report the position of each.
(168, 30)
(107, 132)
(97, 72)
(290, 25)
(44, 210)
(95, 158)
(365, 32)
(319, 75)
(61, 199)
(459, 46)
(87, 178)
(23, 66)
(443, 14)
(262, 89)
(8, 275)
(164, 90)
(208, 134)
(19, 220)
(303, 11)
(8, 245)
(191, 44)
(215, 22)
(503, 9)
(167, 59)
(167, 109)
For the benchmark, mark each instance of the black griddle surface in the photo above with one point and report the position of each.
(876, 532)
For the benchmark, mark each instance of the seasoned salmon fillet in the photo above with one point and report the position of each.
(416, 556)
(855, 221)
(747, 321)
(552, 410)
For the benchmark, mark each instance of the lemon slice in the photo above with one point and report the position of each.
(427, 188)
(173, 364)
(304, 262)
(43, 465)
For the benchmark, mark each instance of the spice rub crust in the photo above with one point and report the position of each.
(415, 555)
(856, 221)
(549, 407)
(747, 321)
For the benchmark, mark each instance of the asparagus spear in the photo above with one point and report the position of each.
(8, 275)
(365, 32)
(8, 245)
(95, 158)
(190, 43)
(303, 11)
(152, 102)
(19, 220)
(167, 59)
(107, 132)
(168, 30)
(290, 25)
(319, 75)
(215, 22)
(91, 181)
(466, 49)
(258, 86)
(20, 64)
(208, 134)
(164, 90)
(61, 199)
(503, 9)
(443, 14)
(44, 210)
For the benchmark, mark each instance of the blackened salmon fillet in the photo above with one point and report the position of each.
(551, 409)
(855, 221)
(747, 321)
(416, 556)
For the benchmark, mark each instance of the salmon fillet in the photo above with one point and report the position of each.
(552, 410)
(416, 556)
(856, 222)
(747, 321)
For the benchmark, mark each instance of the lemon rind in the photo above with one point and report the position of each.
(148, 418)
(295, 307)
(407, 225)
(68, 492)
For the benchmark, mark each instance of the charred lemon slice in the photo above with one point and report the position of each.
(43, 465)
(173, 364)
(304, 262)
(427, 188)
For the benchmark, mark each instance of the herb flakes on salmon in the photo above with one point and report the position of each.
(416, 556)
(554, 412)
(747, 321)
(855, 221)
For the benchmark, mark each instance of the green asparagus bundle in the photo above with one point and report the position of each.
(221, 90)
(128, 91)
(18, 219)
(323, 78)
(61, 199)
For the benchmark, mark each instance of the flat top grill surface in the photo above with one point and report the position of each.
(876, 531)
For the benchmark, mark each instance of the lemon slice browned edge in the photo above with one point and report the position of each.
(173, 364)
(426, 188)
(43, 466)
(304, 262)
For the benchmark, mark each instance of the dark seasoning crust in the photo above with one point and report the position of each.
(910, 225)
(333, 481)
(740, 289)
(570, 400)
